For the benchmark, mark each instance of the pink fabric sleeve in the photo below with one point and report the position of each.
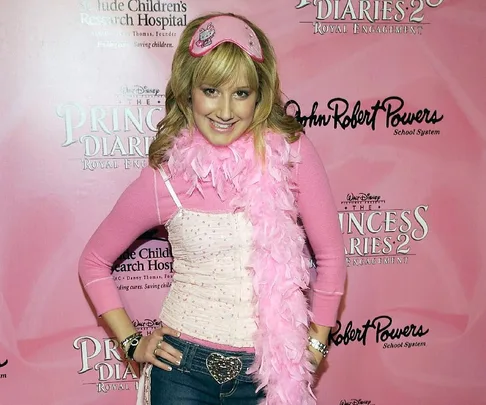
(135, 212)
(319, 217)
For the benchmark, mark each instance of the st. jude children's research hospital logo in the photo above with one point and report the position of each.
(369, 16)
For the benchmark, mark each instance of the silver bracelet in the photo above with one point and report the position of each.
(319, 346)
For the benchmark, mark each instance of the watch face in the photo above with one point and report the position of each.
(135, 342)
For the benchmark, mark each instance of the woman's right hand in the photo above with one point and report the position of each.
(153, 346)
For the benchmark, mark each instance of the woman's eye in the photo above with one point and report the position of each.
(209, 92)
(242, 93)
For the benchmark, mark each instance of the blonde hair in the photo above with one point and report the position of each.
(216, 68)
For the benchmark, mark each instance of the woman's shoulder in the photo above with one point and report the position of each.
(305, 152)
(147, 174)
(148, 189)
(145, 180)
(290, 139)
(298, 143)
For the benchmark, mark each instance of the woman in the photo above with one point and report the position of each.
(229, 174)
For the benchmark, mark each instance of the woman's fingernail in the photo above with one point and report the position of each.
(169, 368)
(178, 334)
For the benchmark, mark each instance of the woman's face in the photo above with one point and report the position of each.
(222, 114)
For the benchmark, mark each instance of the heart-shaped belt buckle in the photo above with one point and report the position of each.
(223, 369)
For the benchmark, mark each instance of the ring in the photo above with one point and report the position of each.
(159, 343)
(155, 351)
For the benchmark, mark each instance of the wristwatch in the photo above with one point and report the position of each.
(130, 344)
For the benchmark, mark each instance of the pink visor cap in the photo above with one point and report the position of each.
(217, 30)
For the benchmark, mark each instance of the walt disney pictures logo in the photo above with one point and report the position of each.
(369, 17)
(356, 401)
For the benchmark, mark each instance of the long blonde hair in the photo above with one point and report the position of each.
(216, 68)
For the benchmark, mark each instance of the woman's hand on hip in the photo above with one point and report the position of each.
(153, 346)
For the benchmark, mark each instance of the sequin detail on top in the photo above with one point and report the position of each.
(211, 297)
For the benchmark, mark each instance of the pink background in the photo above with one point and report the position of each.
(51, 203)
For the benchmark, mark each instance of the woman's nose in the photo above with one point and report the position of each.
(225, 112)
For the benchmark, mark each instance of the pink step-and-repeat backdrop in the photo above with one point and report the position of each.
(392, 93)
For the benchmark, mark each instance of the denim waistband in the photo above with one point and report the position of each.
(194, 357)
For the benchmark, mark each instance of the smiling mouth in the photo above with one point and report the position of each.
(221, 126)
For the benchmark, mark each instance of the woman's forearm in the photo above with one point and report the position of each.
(319, 332)
(119, 323)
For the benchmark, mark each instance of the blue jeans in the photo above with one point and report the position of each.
(191, 383)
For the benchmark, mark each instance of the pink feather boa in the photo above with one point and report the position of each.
(277, 264)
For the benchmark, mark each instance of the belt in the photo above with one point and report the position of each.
(222, 365)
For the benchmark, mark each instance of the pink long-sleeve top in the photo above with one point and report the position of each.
(146, 203)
